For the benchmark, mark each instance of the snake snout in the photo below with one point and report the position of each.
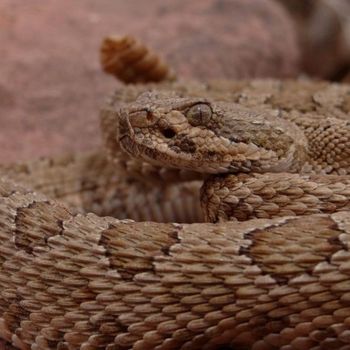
(124, 127)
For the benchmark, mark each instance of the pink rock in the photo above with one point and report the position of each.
(51, 85)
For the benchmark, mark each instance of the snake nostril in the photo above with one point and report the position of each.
(168, 133)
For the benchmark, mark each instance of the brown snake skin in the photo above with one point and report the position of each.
(72, 280)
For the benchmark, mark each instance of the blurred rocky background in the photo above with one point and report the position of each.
(52, 86)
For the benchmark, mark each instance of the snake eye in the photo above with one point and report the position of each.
(199, 114)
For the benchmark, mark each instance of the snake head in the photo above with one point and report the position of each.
(167, 129)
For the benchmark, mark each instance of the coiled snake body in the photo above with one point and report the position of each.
(268, 151)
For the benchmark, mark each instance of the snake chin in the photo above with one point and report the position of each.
(129, 146)
(145, 152)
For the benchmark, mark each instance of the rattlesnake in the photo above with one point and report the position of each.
(71, 280)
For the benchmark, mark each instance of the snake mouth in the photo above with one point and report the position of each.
(157, 156)
(165, 156)
(241, 158)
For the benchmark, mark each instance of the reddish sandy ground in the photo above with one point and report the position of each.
(51, 85)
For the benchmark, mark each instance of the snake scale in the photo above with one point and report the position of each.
(270, 271)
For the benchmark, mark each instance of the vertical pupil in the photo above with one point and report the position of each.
(199, 112)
